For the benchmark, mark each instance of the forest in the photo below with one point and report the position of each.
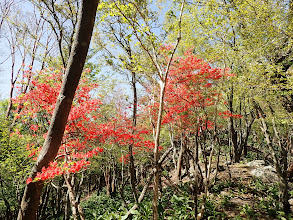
(146, 109)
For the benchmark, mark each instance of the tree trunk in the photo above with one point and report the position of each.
(180, 162)
(233, 133)
(31, 197)
(71, 195)
(174, 148)
(75, 207)
(148, 181)
(156, 151)
(113, 181)
(282, 174)
(66, 206)
(284, 195)
(290, 171)
(107, 176)
(78, 189)
(162, 83)
(43, 207)
(131, 159)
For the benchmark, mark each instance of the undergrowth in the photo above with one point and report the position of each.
(179, 204)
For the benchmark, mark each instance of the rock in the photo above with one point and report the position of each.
(266, 173)
(225, 193)
(256, 163)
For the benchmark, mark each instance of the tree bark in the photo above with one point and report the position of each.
(162, 83)
(43, 206)
(180, 161)
(75, 207)
(130, 147)
(282, 174)
(107, 175)
(31, 197)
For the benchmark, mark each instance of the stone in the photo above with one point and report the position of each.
(256, 163)
(266, 173)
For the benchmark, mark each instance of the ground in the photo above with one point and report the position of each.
(237, 194)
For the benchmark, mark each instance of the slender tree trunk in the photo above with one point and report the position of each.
(233, 132)
(156, 152)
(66, 206)
(107, 176)
(45, 199)
(148, 181)
(75, 207)
(180, 162)
(162, 82)
(113, 181)
(79, 190)
(179, 165)
(282, 175)
(31, 197)
(284, 195)
(131, 159)
(174, 148)
(71, 197)
(142, 173)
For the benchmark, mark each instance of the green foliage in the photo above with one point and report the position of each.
(14, 164)
(211, 211)
(101, 205)
(226, 201)
(264, 198)
(248, 212)
(252, 38)
(218, 187)
(145, 211)
(181, 207)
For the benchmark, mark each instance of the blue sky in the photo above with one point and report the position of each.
(5, 68)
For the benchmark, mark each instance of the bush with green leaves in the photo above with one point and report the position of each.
(14, 166)
(99, 205)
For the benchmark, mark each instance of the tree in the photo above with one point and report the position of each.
(5, 7)
(279, 147)
(253, 39)
(61, 17)
(162, 72)
(24, 38)
(52, 143)
(14, 163)
(135, 15)
(191, 112)
(77, 144)
(115, 31)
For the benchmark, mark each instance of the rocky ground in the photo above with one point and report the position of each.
(246, 191)
(249, 191)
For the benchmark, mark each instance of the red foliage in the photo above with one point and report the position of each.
(37, 107)
(190, 91)
(83, 134)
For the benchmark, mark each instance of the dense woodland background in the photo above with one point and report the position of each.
(176, 98)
